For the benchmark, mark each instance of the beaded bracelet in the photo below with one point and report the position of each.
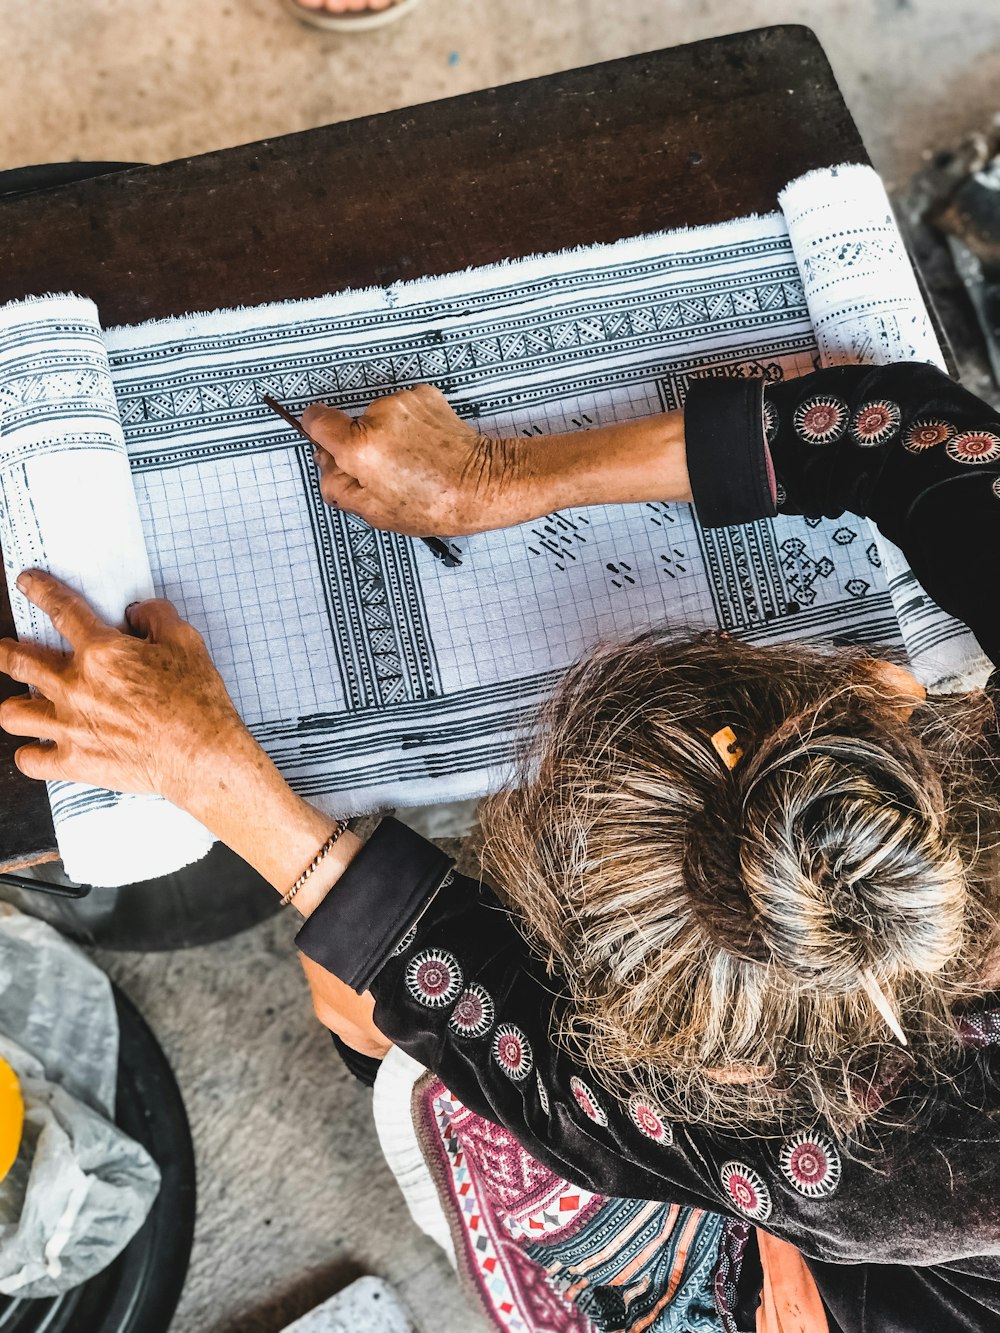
(314, 864)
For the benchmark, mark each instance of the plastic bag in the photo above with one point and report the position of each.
(80, 1188)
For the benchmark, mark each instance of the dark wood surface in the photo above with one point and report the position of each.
(681, 137)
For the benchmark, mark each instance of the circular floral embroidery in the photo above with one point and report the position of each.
(405, 942)
(650, 1120)
(996, 487)
(543, 1096)
(821, 420)
(780, 496)
(587, 1102)
(746, 1190)
(472, 1016)
(811, 1164)
(926, 433)
(974, 446)
(772, 423)
(874, 423)
(434, 978)
(512, 1052)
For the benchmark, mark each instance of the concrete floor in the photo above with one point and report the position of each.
(152, 81)
(294, 1200)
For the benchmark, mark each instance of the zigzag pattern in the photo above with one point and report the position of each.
(390, 682)
(88, 385)
(461, 354)
(532, 1199)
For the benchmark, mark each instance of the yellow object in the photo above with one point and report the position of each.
(724, 744)
(11, 1117)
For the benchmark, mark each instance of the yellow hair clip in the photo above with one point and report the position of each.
(724, 744)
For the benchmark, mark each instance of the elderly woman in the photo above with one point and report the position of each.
(742, 945)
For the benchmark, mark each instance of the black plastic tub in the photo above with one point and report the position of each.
(139, 1292)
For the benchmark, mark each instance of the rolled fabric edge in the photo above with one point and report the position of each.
(104, 855)
(57, 408)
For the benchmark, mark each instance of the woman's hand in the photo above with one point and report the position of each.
(131, 714)
(152, 714)
(344, 1011)
(410, 465)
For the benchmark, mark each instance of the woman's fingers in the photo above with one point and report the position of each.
(70, 613)
(341, 491)
(23, 716)
(338, 486)
(329, 427)
(326, 464)
(30, 664)
(158, 620)
(38, 761)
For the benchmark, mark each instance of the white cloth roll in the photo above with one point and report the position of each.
(67, 505)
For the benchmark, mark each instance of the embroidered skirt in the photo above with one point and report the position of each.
(541, 1255)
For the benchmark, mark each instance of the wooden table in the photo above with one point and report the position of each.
(690, 135)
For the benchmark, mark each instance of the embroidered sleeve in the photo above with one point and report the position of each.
(916, 453)
(729, 467)
(465, 996)
(371, 913)
(457, 987)
(902, 445)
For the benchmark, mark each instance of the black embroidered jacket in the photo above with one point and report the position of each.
(907, 1240)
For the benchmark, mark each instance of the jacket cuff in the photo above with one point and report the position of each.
(380, 895)
(727, 456)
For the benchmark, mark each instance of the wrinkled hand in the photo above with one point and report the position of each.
(131, 714)
(410, 465)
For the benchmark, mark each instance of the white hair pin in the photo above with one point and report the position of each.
(878, 998)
